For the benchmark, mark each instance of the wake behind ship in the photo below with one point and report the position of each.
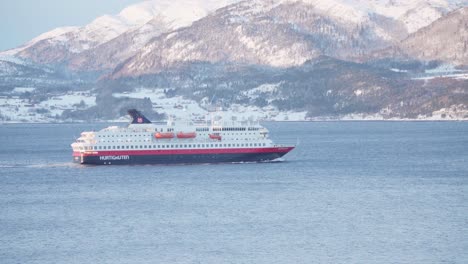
(143, 142)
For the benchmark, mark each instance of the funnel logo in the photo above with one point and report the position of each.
(140, 120)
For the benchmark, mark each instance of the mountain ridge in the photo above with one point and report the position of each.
(323, 58)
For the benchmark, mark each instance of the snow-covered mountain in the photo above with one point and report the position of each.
(446, 40)
(62, 44)
(57, 48)
(283, 33)
(168, 16)
(314, 24)
(48, 35)
(285, 55)
(414, 14)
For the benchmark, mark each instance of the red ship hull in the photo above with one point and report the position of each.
(185, 156)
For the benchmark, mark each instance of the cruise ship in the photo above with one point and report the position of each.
(143, 142)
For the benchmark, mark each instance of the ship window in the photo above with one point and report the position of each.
(141, 146)
(189, 145)
(203, 145)
(172, 146)
(163, 146)
(185, 146)
(198, 145)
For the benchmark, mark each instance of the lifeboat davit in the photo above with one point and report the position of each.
(215, 136)
(164, 135)
(186, 135)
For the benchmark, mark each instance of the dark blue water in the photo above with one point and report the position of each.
(351, 192)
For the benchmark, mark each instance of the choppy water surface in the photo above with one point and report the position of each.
(351, 192)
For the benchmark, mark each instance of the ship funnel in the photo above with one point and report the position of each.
(137, 117)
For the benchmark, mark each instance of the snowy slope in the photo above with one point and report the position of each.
(55, 33)
(415, 14)
(164, 16)
(283, 33)
(176, 13)
(448, 40)
(58, 48)
(335, 25)
(60, 45)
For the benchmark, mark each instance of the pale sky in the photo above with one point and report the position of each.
(22, 20)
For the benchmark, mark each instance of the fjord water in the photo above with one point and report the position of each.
(351, 192)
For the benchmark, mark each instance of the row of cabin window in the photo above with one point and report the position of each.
(130, 135)
(165, 139)
(236, 129)
(134, 135)
(180, 146)
(143, 135)
(228, 134)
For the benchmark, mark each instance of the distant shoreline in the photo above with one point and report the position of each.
(265, 121)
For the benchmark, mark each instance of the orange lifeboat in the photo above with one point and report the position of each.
(215, 136)
(186, 135)
(164, 135)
